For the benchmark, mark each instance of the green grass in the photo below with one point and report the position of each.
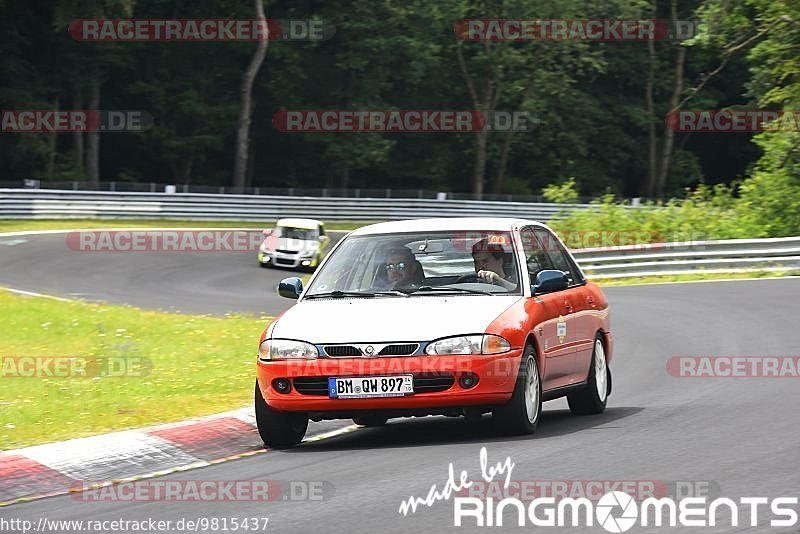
(692, 277)
(200, 365)
(15, 225)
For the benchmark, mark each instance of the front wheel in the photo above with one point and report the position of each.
(592, 399)
(522, 413)
(278, 429)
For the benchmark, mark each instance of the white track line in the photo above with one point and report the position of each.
(600, 282)
(130, 228)
(35, 294)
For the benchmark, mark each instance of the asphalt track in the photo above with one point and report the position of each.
(739, 436)
(191, 282)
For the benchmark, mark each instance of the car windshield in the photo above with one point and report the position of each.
(429, 263)
(295, 233)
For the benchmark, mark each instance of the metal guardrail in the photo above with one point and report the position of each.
(361, 192)
(725, 256)
(49, 204)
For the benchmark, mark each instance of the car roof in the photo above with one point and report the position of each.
(495, 224)
(306, 224)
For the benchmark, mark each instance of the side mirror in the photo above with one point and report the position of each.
(550, 280)
(290, 288)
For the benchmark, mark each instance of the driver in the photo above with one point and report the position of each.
(403, 269)
(489, 260)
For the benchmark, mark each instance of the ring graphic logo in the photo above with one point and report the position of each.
(606, 505)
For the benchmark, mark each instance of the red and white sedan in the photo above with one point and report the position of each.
(458, 316)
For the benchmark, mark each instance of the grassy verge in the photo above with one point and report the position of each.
(692, 277)
(15, 225)
(144, 367)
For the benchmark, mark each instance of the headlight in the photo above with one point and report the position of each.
(306, 253)
(479, 344)
(286, 349)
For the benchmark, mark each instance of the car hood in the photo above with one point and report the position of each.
(375, 320)
(295, 245)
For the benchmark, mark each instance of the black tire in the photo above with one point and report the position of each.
(513, 418)
(278, 429)
(370, 420)
(588, 401)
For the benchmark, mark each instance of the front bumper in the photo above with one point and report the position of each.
(282, 259)
(496, 374)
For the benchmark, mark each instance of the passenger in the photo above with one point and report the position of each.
(490, 264)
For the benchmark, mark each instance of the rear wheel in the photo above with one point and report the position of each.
(522, 413)
(278, 429)
(370, 420)
(592, 399)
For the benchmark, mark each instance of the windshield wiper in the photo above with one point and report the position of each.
(392, 292)
(454, 290)
(342, 294)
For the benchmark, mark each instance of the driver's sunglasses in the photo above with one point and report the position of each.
(395, 266)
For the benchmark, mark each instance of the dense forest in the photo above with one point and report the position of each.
(598, 108)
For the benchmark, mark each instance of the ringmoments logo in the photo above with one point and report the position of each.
(615, 511)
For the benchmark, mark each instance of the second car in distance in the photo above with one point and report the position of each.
(294, 243)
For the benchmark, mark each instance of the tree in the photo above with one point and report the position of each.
(88, 66)
(245, 113)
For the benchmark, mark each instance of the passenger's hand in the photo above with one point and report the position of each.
(489, 276)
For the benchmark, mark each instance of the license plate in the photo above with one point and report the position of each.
(360, 387)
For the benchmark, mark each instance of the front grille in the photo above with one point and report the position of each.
(432, 382)
(283, 251)
(423, 383)
(351, 351)
(405, 349)
(311, 385)
(341, 351)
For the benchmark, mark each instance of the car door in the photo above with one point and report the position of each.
(578, 336)
(558, 358)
